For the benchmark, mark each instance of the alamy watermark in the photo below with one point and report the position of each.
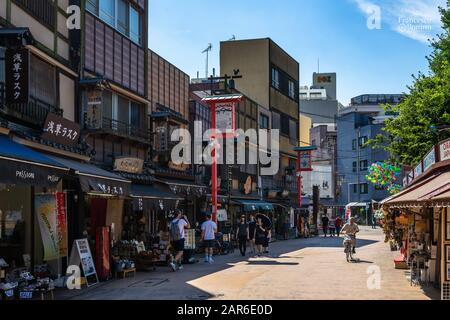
(250, 147)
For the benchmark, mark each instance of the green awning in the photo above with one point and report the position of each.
(255, 205)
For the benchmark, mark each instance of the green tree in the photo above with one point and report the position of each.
(424, 114)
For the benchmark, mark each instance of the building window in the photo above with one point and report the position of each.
(293, 132)
(42, 81)
(285, 124)
(119, 14)
(108, 11)
(275, 78)
(122, 16)
(276, 120)
(364, 188)
(292, 91)
(354, 144)
(135, 25)
(355, 188)
(355, 166)
(363, 141)
(264, 122)
(363, 165)
(92, 6)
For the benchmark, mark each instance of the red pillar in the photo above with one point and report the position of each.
(214, 166)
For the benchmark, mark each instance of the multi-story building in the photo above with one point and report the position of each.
(324, 161)
(169, 110)
(270, 76)
(305, 127)
(357, 124)
(320, 100)
(38, 111)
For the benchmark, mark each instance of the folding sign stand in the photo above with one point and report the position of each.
(81, 253)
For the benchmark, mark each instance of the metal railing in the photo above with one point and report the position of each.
(120, 128)
(276, 184)
(35, 111)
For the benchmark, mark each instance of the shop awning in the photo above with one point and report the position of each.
(22, 165)
(96, 180)
(424, 192)
(357, 204)
(254, 205)
(155, 191)
(185, 188)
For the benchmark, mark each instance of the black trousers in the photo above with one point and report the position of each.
(243, 244)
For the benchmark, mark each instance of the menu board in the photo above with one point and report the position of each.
(189, 243)
(81, 253)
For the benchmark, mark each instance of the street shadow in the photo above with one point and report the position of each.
(356, 260)
(162, 284)
(335, 242)
(271, 263)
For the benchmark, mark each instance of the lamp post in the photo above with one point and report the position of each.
(304, 164)
(222, 124)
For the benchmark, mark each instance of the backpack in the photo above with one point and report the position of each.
(175, 232)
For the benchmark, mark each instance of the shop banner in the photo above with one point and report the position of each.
(61, 216)
(45, 208)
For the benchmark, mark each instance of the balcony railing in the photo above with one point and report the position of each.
(34, 112)
(274, 184)
(120, 128)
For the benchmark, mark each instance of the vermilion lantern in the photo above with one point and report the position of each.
(223, 109)
(304, 164)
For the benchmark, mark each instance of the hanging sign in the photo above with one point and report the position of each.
(128, 164)
(81, 253)
(225, 118)
(444, 151)
(17, 62)
(45, 208)
(61, 130)
(305, 161)
(418, 170)
(94, 115)
(429, 160)
(61, 217)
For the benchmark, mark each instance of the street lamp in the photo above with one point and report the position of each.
(222, 124)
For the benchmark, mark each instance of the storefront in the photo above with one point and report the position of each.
(417, 221)
(30, 183)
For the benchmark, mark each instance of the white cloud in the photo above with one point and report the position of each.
(416, 19)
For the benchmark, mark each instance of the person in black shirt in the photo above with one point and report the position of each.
(251, 232)
(260, 237)
(325, 222)
(242, 234)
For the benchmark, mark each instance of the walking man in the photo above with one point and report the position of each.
(338, 225)
(177, 232)
(209, 230)
(251, 232)
(332, 227)
(325, 222)
(243, 235)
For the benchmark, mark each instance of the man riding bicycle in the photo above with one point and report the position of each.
(351, 229)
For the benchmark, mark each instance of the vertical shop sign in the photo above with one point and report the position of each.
(62, 223)
(45, 207)
(17, 75)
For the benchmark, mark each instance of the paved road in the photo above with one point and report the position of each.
(297, 269)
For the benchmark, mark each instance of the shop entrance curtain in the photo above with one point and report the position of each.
(115, 215)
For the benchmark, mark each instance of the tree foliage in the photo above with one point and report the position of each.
(424, 113)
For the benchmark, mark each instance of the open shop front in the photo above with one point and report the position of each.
(148, 239)
(105, 198)
(417, 222)
(32, 221)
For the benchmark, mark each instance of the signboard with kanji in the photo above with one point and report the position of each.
(17, 63)
(225, 118)
(61, 130)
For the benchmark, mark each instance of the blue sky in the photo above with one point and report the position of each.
(335, 31)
